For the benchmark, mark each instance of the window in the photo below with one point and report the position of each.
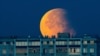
(84, 50)
(21, 51)
(36, 43)
(77, 50)
(85, 42)
(61, 50)
(77, 42)
(21, 43)
(64, 50)
(74, 51)
(58, 50)
(45, 51)
(74, 42)
(70, 42)
(34, 50)
(4, 43)
(44, 42)
(11, 43)
(91, 50)
(60, 42)
(51, 42)
(57, 43)
(4, 51)
(92, 42)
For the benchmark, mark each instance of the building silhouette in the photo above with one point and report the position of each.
(44, 46)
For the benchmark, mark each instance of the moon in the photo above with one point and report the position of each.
(55, 21)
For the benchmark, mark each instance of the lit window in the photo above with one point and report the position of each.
(21, 43)
(84, 42)
(30, 43)
(77, 42)
(17, 43)
(60, 42)
(51, 42)
(4, 51)
(91, 50)
(44, 42)
(74, 50)
(77, 50)
(74, 42)
(25, 43)
(57, 43)
(63, 42)
(71, 50)
(36, 43)
(92, 42)
(70, 42)
(84, 50)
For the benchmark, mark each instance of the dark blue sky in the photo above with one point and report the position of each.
(22, 17)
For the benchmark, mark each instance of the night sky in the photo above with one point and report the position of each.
(22, 17)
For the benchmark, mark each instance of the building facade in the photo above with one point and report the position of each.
(44, 46)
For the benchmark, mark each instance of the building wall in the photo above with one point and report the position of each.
(63, 45)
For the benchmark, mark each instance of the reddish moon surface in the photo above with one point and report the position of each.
(53, 22)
